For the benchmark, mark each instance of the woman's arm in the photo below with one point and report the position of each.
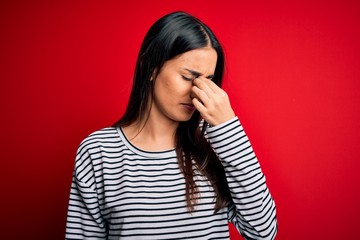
(253, 212)
(84, 220)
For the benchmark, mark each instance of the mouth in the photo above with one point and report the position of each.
(189, 106)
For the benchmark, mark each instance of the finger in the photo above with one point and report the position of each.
(200, 95)
(199, 106)
(209, 83)
(203, 84)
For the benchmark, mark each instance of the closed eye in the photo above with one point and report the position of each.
(189, 78)
(196, 74)
(211, 77)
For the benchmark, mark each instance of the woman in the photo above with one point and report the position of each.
(178, 164)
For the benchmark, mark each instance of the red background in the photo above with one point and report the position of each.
(293, 78)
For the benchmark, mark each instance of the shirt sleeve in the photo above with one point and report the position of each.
(84, 219)
(253, 210)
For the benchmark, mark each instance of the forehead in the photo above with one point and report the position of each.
(202, 60)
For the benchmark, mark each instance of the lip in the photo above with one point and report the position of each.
(189, 106)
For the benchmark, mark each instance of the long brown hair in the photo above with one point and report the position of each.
(171, 35)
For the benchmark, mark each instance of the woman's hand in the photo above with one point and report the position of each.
(211, 101)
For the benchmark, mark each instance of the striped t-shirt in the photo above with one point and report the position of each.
(122, 192)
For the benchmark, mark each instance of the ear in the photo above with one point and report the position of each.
(154, 74)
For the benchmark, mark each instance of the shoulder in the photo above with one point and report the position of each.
(99, 143)
(101, 138)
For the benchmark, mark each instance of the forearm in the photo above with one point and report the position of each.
(254, 213)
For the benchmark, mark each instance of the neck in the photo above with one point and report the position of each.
(152, 134)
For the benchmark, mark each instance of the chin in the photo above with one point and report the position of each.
(182, 118)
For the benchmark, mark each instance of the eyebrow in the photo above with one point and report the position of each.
(197, 74)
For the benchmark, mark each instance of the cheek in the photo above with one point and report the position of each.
(178, 90)
(172, 86)
(163, 90)
(165, 86)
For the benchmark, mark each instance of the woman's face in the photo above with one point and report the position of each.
(172, 90)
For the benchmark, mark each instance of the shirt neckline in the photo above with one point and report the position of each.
(151, 154)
